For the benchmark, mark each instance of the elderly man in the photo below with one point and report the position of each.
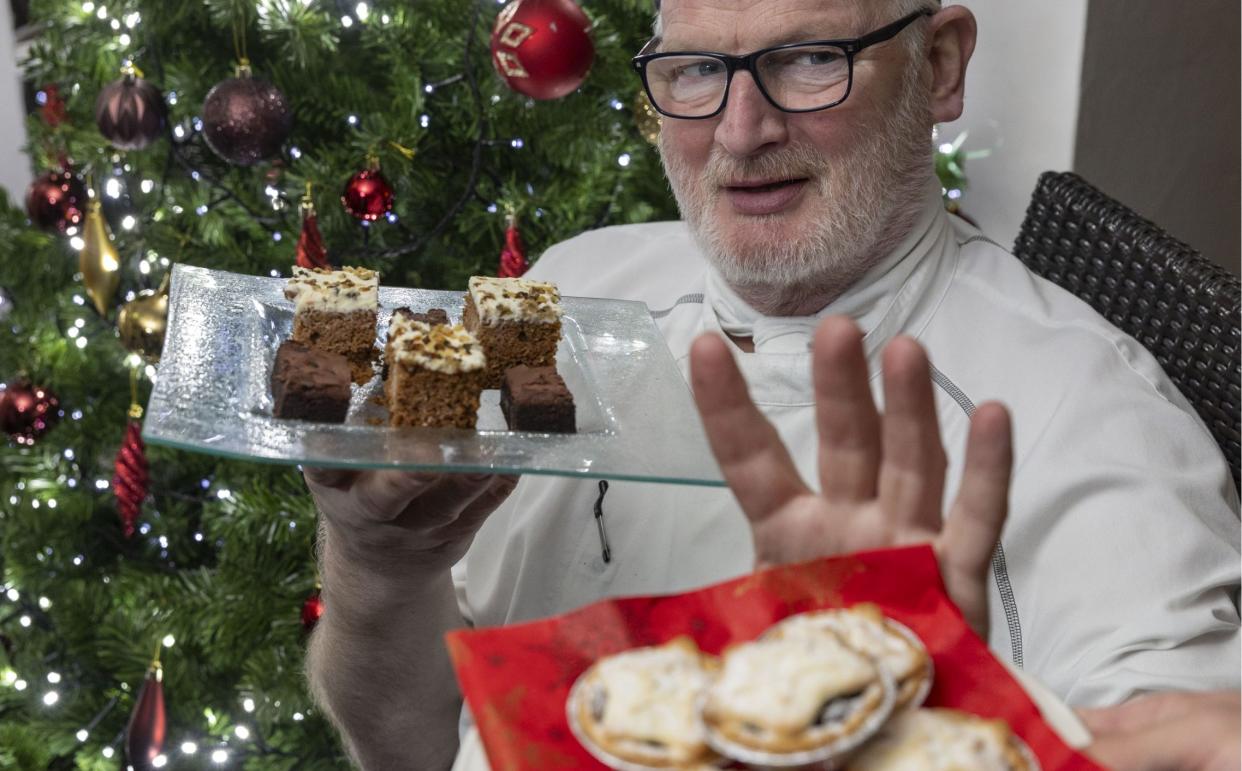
(797, 145)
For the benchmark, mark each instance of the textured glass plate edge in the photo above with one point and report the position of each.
(637, 447)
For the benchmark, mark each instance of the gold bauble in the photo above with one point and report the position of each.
(142, 322)
(647, 119)
(99, 263)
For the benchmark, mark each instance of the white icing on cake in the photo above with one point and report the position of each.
(439, 347)
(785, 682)
(333, 291)
(515, 299)
(936, 740)
(652, 694)
(863, 629)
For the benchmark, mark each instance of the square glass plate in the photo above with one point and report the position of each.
(636, 417)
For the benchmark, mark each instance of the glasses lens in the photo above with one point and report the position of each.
(687, 86)
(805, 77)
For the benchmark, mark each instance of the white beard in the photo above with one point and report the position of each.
(868, 199)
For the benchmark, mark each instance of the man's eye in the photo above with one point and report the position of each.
(703, 69)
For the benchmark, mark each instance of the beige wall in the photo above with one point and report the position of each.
(14, 166)
(1158, 124)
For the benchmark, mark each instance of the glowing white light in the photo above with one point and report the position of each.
(76, 415)
(277, 236)
(347, 21)
(101, 484)
(623, 160)
(189, 748)
(616, 104)
(198, 125)
(83, 735)
(295, 153)
(78, 245)
(248, 704)
(352, 120)
(242, 732)
(132, 19)
(297, 716)
(88, 7)
(172, 97)
(164, 261)
(113, 188)
(53, 677)
(517, 144)
(144, 267)
(163, 542)
(12, 500)
(128, 222)
(44, 604)
(271, 192)
(362, 11)
(34, 504)
(946, 148)
(124, 39)
(201, 210)
(424, 120)
(20, 684)
(51, 503)
(224, 494)
(149, 371)
(198, 537)
(429, 88)
(77, 560)
(9, 677)
(24, 620)
(108, 752)
(179, 132)
(73, 332)
(50, 698)
(102, 13)
(115, 24)
(81, 342)
(12, 593)
(385, 18)
(159, 761)
(220, 756)
(169, 641)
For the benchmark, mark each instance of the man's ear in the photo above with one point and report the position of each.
(951, 41)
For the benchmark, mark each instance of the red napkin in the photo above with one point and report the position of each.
(516, 678)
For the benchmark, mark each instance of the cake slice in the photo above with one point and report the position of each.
(536, 399)
(399, 323)
(435, 375)
(309, 384)
(517, 320)
(335, 311)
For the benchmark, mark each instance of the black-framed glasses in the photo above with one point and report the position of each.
(796, 77)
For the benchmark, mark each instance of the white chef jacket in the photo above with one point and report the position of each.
(1118, 571)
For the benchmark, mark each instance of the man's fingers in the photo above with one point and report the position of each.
(384, 494)
(911, 481)
(463, 499)
(335, 478)
(848, 423)
(755, 463)
(974, 525)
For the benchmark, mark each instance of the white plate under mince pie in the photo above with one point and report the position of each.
(795, 702)
(866, 629)
(638, 710)
(943, 740)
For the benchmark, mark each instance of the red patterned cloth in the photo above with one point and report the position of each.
(516, 678)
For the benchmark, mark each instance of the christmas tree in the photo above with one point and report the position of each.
(154, 604)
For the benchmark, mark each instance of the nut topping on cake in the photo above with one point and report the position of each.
(341, 291)
(515, 299)
(437, 347)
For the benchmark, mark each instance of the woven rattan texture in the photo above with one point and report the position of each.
(1182, 307)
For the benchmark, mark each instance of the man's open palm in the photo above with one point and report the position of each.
(881, 476)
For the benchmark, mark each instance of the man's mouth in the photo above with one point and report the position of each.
(764, 196)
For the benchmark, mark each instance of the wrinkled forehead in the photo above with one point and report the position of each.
(738, 26)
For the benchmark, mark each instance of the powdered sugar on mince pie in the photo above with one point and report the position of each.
(943, 740)
(790, 701)
(866, 629)
(638, 710)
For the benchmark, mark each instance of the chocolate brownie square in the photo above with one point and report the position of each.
(536, 399)
(310, 384)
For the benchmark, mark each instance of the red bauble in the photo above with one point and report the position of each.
(311, 252)
(513, 257)
(130, 480)
(27, 412)
(56, 201)
(53, 109)
(130, 112)
(542, 48)
(367, 196)
(246, 119)
(312, 609)
(144, 736)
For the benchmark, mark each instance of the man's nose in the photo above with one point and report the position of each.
(749, 124)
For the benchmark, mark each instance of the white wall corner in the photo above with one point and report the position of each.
(14, 165)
